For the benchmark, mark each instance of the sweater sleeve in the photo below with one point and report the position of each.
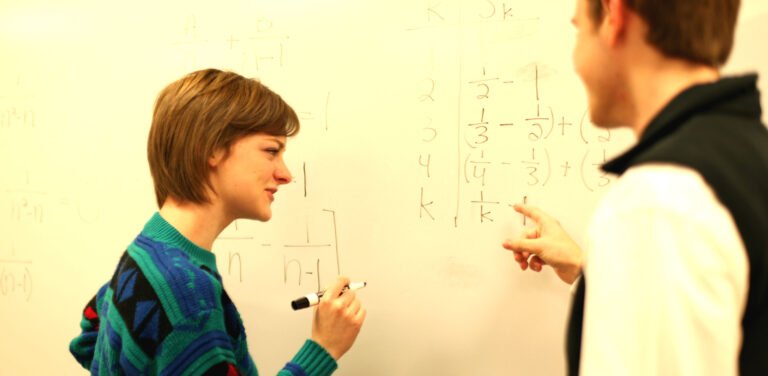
(198, 344)
(311, 360)
(83, 346)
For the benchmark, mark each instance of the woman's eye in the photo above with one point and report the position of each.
(273, 151)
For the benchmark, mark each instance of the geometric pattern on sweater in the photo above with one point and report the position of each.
(128, 330)
(165, 312)
(139, 306)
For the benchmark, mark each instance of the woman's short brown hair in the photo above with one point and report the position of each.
(700, 31)
(200, 113)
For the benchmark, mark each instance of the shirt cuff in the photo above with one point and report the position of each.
(314, 360)
(575, 284)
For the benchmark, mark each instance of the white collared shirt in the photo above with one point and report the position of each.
(667, 278)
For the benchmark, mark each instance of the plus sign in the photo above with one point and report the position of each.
(232, 41)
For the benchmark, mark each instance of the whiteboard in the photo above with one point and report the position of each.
(422, 121)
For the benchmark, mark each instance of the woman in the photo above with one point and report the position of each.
(215, 151)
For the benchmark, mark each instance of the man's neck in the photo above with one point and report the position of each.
(655, 85)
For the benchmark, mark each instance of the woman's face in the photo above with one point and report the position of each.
(246, 179)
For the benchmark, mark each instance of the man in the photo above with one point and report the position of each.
(675, 271)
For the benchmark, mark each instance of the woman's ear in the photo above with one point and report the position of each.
(217, 157)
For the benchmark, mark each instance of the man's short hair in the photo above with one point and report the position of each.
(200, 113)
(699, 31)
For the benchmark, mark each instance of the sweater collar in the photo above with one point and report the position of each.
(159, 229)
(731, 95)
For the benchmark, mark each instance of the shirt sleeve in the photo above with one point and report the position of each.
(667, 276)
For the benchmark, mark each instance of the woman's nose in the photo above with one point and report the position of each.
(282, 174)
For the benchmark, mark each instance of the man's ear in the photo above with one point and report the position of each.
(613, 27)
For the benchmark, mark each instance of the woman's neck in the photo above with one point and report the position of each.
(200, 223)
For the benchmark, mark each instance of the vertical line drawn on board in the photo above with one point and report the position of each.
(232, 256)
(525, 201)
(327, 109)
(459, 113)
(536, 80)
(458, 122)
(335, 239)
(317, 267)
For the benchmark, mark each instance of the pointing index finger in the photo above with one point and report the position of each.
(529, 211)
(529, 246)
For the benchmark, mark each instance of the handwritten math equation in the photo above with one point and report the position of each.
(16, 279)
(261, 46)
(309, 252)
(510, 134)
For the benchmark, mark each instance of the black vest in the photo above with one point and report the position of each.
(716, 130)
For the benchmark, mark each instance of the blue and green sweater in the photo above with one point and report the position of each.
(165, 312)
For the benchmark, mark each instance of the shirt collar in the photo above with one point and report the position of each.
(733, 95)
(159, 229)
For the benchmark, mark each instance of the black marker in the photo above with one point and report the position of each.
(314, 298)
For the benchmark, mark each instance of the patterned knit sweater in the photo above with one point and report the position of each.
(165, 312)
